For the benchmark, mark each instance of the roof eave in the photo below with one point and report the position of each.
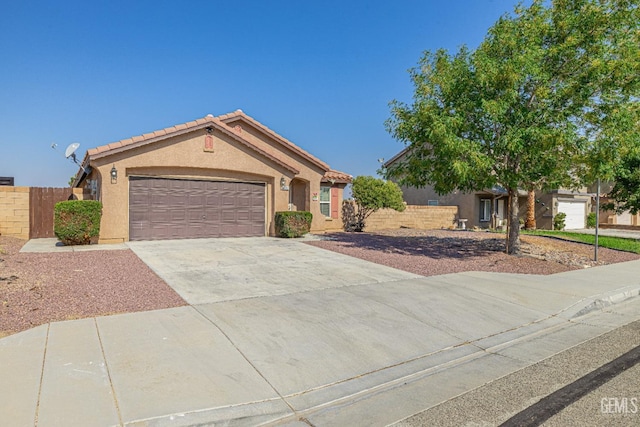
(204, 124)
(395, 158)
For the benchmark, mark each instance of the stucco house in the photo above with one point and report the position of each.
(212, 177)
(488, 208)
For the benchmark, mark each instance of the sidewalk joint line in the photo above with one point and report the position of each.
(106, 366)
(247, 359)
(44, 358)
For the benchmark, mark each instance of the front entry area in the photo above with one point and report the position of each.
(163, 208)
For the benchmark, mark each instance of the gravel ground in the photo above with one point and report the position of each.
(37, 288)
(434, 252)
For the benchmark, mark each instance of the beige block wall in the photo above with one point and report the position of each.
(421, 217)
(14, 211)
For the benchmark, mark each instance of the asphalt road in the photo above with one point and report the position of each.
(616, 402)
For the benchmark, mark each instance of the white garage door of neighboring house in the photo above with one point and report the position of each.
(576, 213)
(624, 218)
(185, 209)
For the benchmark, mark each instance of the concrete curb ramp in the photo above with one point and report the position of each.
(371, 347)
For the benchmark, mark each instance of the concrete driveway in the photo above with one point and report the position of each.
(279, 332)
(215, 270)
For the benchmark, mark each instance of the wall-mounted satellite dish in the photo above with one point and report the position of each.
(71, 151)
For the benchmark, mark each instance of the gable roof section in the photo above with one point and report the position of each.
(151, 137)
(337, 176)
(240, 115)
(396, 157)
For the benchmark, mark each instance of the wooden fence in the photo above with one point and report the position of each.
(41, 204)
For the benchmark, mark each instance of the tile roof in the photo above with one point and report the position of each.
(337, 176)
(148, 138)
(224, 124)
(230, 117)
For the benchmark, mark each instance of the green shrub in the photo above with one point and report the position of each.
(76, 222)
(369, 195)
(558, 221)
(293, 224)
(591, 220)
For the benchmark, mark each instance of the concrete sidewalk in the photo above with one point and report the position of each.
(376, 346)
(54, 245)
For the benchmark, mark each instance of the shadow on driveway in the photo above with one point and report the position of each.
(464, 245)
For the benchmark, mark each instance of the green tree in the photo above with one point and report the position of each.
(625, 173)
(512, 112)
(611, 123)
(369, 195)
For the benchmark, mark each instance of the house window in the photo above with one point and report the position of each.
(325, 201)
(432, 203)
(485, 209)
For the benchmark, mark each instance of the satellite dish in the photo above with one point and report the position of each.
(71, 150)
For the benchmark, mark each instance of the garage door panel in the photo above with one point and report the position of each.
(212, 215)
(257, 216)
(198, 229)
(243, 215)
(171, 208)
(194, 215)
(228, 216)
(178, 216)
(575, 214)
(212, 200)
(195, 200)
(244, 201)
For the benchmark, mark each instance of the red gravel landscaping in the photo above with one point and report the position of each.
(37, 288)
(434, 252)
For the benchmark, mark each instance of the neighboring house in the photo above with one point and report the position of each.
(623, 219)
(213, 177)
(489, 208)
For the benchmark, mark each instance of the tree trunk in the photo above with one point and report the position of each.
(513, 245)
(530, 223)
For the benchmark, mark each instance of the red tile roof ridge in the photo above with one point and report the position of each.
(149, 135)
(338, 176)
(220, 121)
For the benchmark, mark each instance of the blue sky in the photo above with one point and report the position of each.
(320, 73)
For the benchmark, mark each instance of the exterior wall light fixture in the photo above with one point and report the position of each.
(283, 184)
(114, 175)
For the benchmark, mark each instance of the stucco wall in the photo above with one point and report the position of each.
(421, 217)
(14, 211)
(187, 159)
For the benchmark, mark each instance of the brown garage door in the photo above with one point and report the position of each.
(183, 209)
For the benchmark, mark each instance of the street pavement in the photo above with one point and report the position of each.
(615, 403)
(282, 333)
